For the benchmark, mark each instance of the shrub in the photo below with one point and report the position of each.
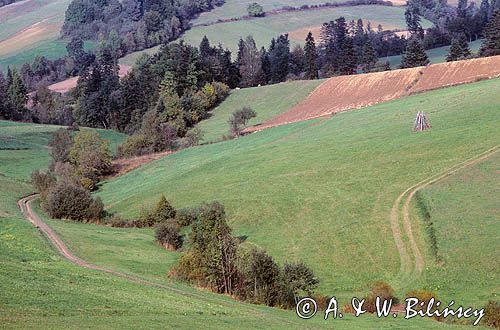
(296, 280)
(167, 234)
(423, 296)
(492, 314)
(135, 145)
(261, 278)
(193, 138)
(60, 145)
(43, 182)
(70, 201)
(186, 216)
(164, 211)
(382, 290)
(239, 119)
(255, 10)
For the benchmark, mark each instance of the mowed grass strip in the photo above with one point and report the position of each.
(321, 191)
(267, 101)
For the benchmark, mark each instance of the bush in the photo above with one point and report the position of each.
(167, 234)
(164, 211)
(423, 296)
(382, 290)
(135, 145)
(186, 216)
(492, 314)
(70, 201)
(255, 10)
(43, 182)
(239, 119)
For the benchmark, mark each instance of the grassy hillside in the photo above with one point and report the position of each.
(464, 213)
(266, 101)
(436, 55)
(321, 191)
(266, 28)
(238, 8)
(29, 28)
(23, 147)
(40, 290)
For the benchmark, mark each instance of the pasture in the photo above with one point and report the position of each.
(265, 28)
(266, 101)
(39, 289)
(321, 191)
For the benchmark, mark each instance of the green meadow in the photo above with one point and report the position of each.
(464, 213)
(321, 191)
(238, 8)
(265, 28)
(41, 290)
(266, 101)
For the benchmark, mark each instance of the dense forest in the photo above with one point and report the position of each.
(135, 24)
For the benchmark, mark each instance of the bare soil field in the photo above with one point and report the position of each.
(352, 92)
(65, 85)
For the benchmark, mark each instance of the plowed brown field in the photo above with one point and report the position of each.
(352, 92)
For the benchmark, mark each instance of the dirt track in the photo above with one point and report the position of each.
(56, 241)
(405, 271)
(344, 93)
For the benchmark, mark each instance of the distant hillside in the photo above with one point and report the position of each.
(350, 92)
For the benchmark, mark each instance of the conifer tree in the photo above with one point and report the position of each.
(279, 55)
(348, 64)
(455, 52)
(17, 96)
(491, 43)
(414, 54)
(369, 58)
(311, 57)
(464, 45)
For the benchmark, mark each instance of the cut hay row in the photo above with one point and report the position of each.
(352, 92)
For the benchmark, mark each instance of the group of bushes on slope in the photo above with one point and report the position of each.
(77, 165)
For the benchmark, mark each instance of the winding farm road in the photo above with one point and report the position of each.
(56, 241)
(398, 213)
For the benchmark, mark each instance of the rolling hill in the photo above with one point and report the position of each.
(350, 92)
(319, 190)
(29, 28)
(39, 289)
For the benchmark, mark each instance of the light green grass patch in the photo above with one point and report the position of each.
(266, 101)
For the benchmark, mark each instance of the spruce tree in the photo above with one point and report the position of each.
(414, 54)
(17, 96)
(279, 55)
(205, 49)
(369, 58)
(348, 62)
(311, 57)
(455, 52)
(3, 96)
(491, 43)
(464, 45)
